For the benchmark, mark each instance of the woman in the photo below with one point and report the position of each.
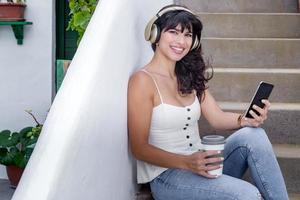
(165, 101)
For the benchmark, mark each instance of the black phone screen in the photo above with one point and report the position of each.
(263, 91)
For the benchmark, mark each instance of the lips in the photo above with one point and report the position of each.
(177, 50)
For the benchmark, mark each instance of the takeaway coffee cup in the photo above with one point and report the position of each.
(215, 143)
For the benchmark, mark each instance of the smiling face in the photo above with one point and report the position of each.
(175, 43)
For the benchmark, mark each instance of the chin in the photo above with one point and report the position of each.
(177, 57)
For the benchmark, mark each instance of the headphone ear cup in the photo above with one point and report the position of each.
(157, 34)
(195, 43)
(154, 34)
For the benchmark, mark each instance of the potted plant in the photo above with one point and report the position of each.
(16, 149)
(12, 10)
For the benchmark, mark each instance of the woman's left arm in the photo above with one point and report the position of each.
(221, 120)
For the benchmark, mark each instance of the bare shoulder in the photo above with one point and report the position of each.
(141, 82)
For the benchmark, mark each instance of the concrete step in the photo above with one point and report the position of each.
(239, 84)
(252, 52)
(282, 125)
(229, 6)
(251, 25)
(294, 196)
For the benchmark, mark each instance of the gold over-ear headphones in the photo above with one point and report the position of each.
(152, 31)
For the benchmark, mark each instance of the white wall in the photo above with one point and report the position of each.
(26, 70)
(83, 151)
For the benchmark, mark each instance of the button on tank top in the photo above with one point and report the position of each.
(173, 129)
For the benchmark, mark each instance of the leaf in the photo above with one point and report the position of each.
(8, 140)
(20, 159)
(4, 135)
(9, 158)
(25, 130)
(82, 18)
(3, 154)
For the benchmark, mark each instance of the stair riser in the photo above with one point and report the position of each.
(253, 53)
(227, 6)
(250, 25)
(240, 87)
(282, 126)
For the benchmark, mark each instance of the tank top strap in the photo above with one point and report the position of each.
(157, 88)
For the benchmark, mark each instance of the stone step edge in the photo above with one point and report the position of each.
(287, 150)
(251, 39)
(238, 106)
(294, 196)
(255, 70)
(222, 66)
(223, 13)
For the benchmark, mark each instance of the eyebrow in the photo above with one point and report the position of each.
(183, 30)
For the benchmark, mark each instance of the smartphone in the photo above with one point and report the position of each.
(263, 91)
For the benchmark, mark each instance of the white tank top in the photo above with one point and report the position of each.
(173, 129)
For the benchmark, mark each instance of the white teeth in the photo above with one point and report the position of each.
(177, 49)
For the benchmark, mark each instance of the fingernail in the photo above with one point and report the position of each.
(222, 158)
(264, 101)
(218, 151)
(254, 106)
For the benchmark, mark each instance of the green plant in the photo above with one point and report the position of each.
(16, 147)
(81, 12)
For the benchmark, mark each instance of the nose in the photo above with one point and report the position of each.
(180, 39)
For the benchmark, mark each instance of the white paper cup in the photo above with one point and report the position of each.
(214, 143)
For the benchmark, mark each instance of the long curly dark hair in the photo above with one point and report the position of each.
(191, 69)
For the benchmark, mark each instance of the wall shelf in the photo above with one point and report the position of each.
(18, 29)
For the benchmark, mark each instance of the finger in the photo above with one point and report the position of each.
(259, 109)
(207, 175)
(212, 167)
(266, 102)
(253, 122)
(213, 160)
(211, 153)
(255, 116)
(262, 112)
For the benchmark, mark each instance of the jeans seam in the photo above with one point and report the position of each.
(235, 150)
(259, 175)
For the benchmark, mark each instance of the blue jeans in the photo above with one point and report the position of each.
(246, 148)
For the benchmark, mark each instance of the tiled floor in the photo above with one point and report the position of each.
(6, 191)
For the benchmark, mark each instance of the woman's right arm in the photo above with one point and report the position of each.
(140, 104)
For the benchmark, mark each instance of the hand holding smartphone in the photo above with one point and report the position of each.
(263, 91)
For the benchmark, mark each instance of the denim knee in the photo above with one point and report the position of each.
(255, 136)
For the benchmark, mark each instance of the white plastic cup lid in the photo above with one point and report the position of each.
(213, 140)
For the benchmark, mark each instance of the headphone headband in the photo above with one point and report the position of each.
(173, 8)
(152, 32)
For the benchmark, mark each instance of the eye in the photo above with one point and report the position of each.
(189, 35)
(173, 31)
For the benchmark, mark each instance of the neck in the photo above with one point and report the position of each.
(163, 65)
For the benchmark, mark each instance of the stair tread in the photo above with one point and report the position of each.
(246, 13)
(287, 150)
(256, 70)
(243, 105)
(252, 38)
(294, 196)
